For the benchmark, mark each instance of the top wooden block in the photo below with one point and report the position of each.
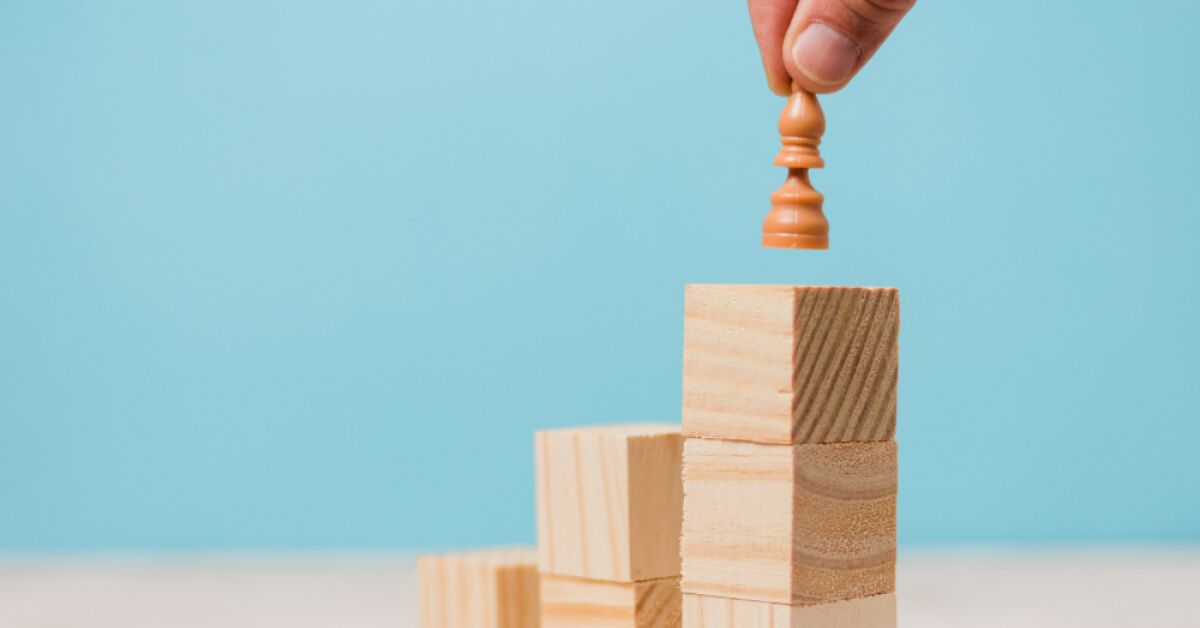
(494, 588)
(790, 364)
(610, 501)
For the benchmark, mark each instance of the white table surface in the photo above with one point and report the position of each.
(1158, 588)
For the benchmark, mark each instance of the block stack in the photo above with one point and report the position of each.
(609, 504)
(789, 408)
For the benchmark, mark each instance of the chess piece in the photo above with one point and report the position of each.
(796, 220)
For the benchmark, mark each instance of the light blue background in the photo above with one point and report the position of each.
(302, 274)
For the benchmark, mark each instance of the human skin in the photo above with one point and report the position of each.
(821, 44)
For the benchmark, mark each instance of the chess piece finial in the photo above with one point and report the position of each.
(796, 220)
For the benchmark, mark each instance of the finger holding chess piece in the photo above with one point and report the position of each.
(796, 220)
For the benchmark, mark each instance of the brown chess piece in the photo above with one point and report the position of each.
(796, 220)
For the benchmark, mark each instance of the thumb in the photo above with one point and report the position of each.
(829, 41)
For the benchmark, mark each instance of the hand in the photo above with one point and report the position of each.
(820, 44)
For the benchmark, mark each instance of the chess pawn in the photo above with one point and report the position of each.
(796, 220)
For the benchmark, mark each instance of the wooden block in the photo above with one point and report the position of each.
(703, 611)
(609, 501)
(791, 524)
(569, 602)
(790, 364)
(482, 589)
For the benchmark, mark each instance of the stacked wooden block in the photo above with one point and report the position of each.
(789, 406)
(495, 588)
(609, 503)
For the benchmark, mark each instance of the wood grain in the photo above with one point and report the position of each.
(481, 589)
(609, 501)
(790, 524)
(790, 364)
(569, 602)
(703, 611)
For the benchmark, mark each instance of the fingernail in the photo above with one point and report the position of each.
(825, 55)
